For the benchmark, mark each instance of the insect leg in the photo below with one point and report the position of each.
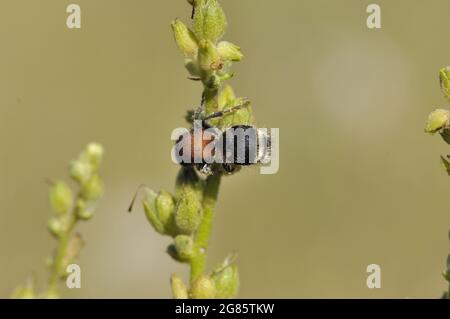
(246, 103)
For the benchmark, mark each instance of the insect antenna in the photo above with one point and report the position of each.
(130, 208)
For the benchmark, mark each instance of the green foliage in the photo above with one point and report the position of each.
(439, 122)
(68, 210)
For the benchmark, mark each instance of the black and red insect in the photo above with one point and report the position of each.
(210, 148)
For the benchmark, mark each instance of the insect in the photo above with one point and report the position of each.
(209, 148)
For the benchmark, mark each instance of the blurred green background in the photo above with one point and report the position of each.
(359, 180)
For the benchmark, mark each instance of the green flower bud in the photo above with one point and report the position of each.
(203, 288)
(56, 227)
(87, 163)
(229, 51)
(92, 189)
(198, 18)
(437, 121)
(444, 78)
(82, 211)
(188, 178)
(81, 171)
(226, 282)
(215, 22)
(179, 290)
(209, 20)
(94, 152)
(188, 213)
(85, 215)
(61, 197)
(445, 162)
(192, 67)
(152, 218)
(159, 210)
(184, 246)
(185, 39)
(208, 57)
(165, 208)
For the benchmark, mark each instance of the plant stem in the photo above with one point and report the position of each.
(198, 263)
(63, 242)
(210, 194)
(211, 100)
